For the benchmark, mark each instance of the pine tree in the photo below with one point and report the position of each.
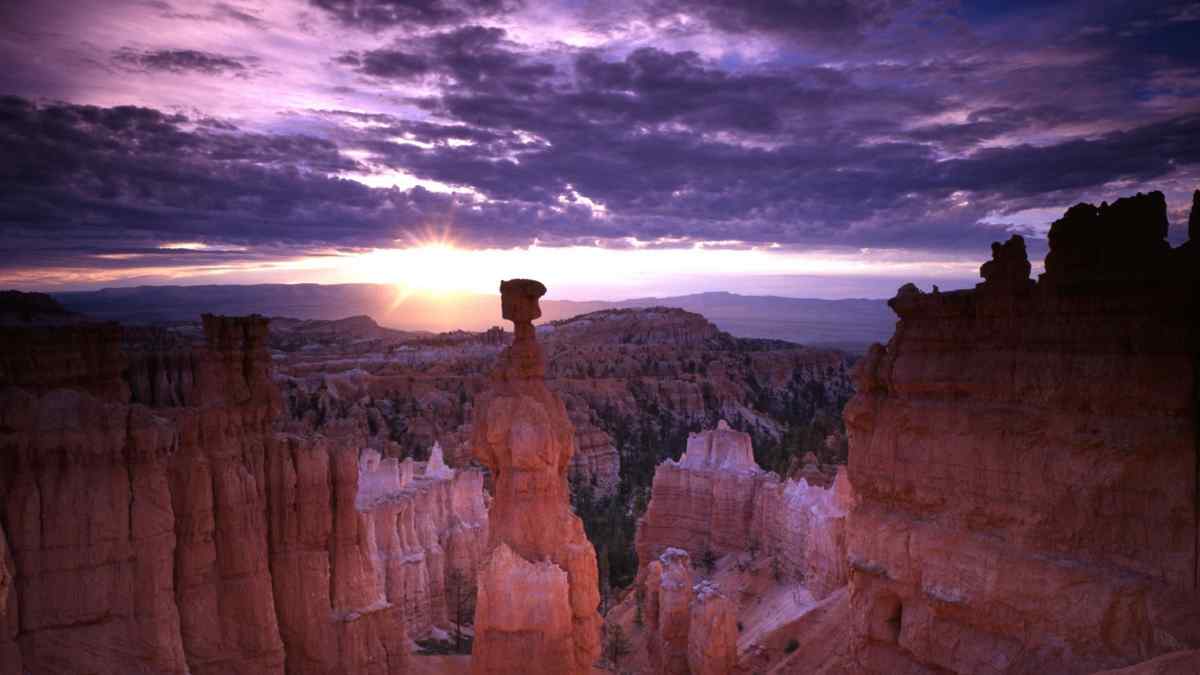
(616, 645)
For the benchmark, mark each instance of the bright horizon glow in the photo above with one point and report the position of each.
(435, 266)
(441, 268)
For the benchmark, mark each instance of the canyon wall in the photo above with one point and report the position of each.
(804, 525)
(426, 531)
(629, 379)
(717, 500)
(538, 587)
(156, 522)
(1024, 460)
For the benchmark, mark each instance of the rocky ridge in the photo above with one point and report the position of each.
(630, 380)
(634, 383)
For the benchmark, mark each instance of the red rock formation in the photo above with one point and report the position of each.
(524, 621)
(422, 530)
(1175, 663)
(333, 612)
(1024, 459)
(716, 500)
(10, 653)
(595, 461)
(668, 611)
(712, 633)
(629, 373)
(804, 526)
(705, 501)
(84, 357)
(523, 435)
(163, 528)
(691, 629)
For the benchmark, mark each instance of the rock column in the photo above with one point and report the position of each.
(538, 588)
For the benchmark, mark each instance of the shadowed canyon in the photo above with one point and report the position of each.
(1009, 486)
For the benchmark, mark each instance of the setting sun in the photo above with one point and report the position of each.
(434, 267)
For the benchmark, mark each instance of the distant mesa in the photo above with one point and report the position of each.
(849, 324)
(21, 308)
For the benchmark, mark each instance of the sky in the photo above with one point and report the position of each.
(806, 148)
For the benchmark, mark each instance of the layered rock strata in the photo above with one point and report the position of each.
(538, 587)
(595, 461)
(692, 628)
(1024, 457)
(10, 652)
(426, 531)
(716, 500)
(712, 632)
(153, 521)
(804, 527)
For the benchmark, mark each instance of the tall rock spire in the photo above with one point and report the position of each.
(538, 588)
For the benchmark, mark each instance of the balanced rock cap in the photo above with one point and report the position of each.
(519, 299)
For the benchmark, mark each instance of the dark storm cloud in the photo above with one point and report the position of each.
(186, 61)
(833, 123)
(825, 21)
(675, 147)
(471, 57)
(387, 63)
(117, 177)
(1140, 155)
(375, 15)
(987, 123)
(105, 186)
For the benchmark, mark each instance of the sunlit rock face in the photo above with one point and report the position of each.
(1024, 461)
(425, 528)
(157, 524)
(804, 526)
(436, 467)
(523, 435)
(716, 500)
(722, 449)
(705, 501)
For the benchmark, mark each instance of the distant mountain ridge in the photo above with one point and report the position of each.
(849, 324)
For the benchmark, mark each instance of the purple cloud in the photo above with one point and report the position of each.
(913, 125)
(184, 61)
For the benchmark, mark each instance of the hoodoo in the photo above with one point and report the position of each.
(538, 586)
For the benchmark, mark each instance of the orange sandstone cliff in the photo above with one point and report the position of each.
(716, 500)
(691, 628)
(1025, 459)
(153, 521)
(538, 588)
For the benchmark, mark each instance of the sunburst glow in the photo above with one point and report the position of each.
(437, 266)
